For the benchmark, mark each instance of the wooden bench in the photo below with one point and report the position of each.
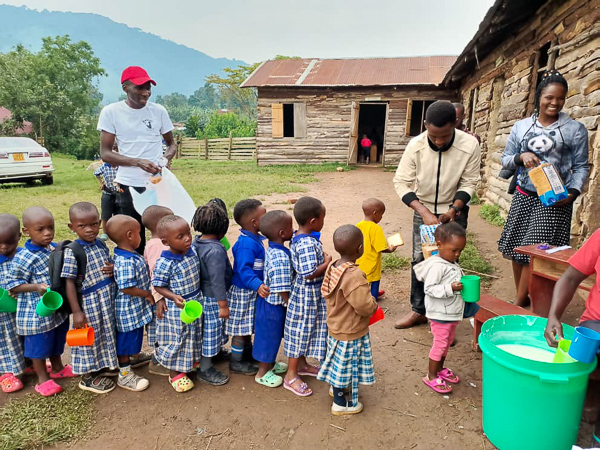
(490, 306)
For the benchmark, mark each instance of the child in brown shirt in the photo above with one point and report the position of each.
(349, 359)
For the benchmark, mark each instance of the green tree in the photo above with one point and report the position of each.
(205, 97)
(220, 125)
(232, 95)
(54, 89)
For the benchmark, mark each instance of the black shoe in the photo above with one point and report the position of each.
(212, 376)
(243, 367)
(223, 355)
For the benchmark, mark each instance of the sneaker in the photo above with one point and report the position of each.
(96, 384)
(243, 367)
(133, 382)
(141, 359)
(212, 376)
(338, 410)
(156, 369)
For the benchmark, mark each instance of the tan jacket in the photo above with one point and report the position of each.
(349, 301)
(436, 178)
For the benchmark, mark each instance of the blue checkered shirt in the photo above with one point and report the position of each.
(5, 268)
(30, 266)
(179, 273)
(131, 271)
(307, 255)
(278, 272)
(108, 174)
(98, 256)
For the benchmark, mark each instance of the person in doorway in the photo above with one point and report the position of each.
(365, 146)
(138, 126)
(460, 118)
(436, 178)
(549, 135)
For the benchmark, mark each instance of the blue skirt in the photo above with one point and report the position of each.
(268, 330)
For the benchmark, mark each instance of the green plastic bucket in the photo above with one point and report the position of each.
(7, 303)
(527, 404)
(471, 290)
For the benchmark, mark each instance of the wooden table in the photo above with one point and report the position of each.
(544, 271)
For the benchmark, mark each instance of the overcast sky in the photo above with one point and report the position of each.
(255, 30)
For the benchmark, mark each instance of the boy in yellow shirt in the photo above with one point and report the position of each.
(374, 243)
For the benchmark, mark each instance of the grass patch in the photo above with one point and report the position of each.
(475, 200)
(34, 421)
(231, 180)
(390, 262)
(471, 258)
(492, 215)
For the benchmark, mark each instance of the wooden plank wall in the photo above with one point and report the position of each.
(505, 84)
(328, 112)
(235, 149)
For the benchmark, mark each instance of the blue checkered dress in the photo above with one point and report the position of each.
(12, 359)
(98, 305)
(242, 304)
(279, 272)
(131, 271)
(108, 174)
(306, 319)
(213, 328)
(348, 363)
(179, 344)
(30, 266)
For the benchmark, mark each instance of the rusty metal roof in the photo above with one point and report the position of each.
(419, 70)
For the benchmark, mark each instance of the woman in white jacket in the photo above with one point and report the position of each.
(444, 305)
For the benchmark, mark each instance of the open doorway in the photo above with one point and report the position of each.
(371, 122)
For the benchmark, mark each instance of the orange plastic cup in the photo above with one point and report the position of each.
(79, 337)
(377, 316)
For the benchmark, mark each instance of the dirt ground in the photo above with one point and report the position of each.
(399, 411)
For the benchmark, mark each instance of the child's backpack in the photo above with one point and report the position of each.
(57, 259)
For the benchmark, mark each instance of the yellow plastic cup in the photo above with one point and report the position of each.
(191, 311)
(562, 352)
(7, 303)
(49, 303)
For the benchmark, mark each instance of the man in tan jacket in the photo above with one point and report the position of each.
(436, 177)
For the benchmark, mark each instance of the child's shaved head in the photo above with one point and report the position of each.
(152, 214)
(372, 204)
(119, 225)
(273, 222)
(9, 226)
(347, 240)
(164, 224)
(80, 208)
(35, 213)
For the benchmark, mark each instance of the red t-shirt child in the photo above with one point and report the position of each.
(365, 142)
(587, 261)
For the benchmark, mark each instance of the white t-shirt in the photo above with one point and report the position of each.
(138, 135)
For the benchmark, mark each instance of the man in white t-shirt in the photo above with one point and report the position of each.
(138, 127)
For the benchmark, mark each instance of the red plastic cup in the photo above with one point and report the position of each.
(377, 316)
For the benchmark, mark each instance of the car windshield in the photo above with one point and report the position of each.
(7, 143)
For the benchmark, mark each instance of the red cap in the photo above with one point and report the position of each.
(136, 75)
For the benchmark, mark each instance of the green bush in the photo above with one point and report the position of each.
(491, 214)
(220, 125)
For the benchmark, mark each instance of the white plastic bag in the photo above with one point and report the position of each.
(168, 192)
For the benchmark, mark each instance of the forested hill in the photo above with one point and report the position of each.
(175, 67)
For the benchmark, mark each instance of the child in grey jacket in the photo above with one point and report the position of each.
(444, 304)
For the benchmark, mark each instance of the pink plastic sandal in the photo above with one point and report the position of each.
(438, 385)
(308, 373)
(448, 375)
(10, 383)
(48, 388)
(66, 372)
(302, 390)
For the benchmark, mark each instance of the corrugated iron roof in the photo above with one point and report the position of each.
(421, 70)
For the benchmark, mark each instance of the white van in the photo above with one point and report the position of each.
(23, 159)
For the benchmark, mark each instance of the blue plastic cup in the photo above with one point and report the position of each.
(584, 345)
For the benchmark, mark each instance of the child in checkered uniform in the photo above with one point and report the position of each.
(305, 323)
(177, 279)
(97, 308)
(152, 251)
(270, 312)
(134, 300)
(30, 277)
(105, 174)
(247, 283)
(12, 360)
(215, 279)
(349, 360)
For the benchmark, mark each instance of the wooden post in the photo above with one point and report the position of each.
(205, 148)
(230, 145)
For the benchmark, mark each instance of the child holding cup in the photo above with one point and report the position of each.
(44, 337)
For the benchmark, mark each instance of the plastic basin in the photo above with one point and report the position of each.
(527, 404)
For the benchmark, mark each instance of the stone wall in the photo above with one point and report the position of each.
(503, 92)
